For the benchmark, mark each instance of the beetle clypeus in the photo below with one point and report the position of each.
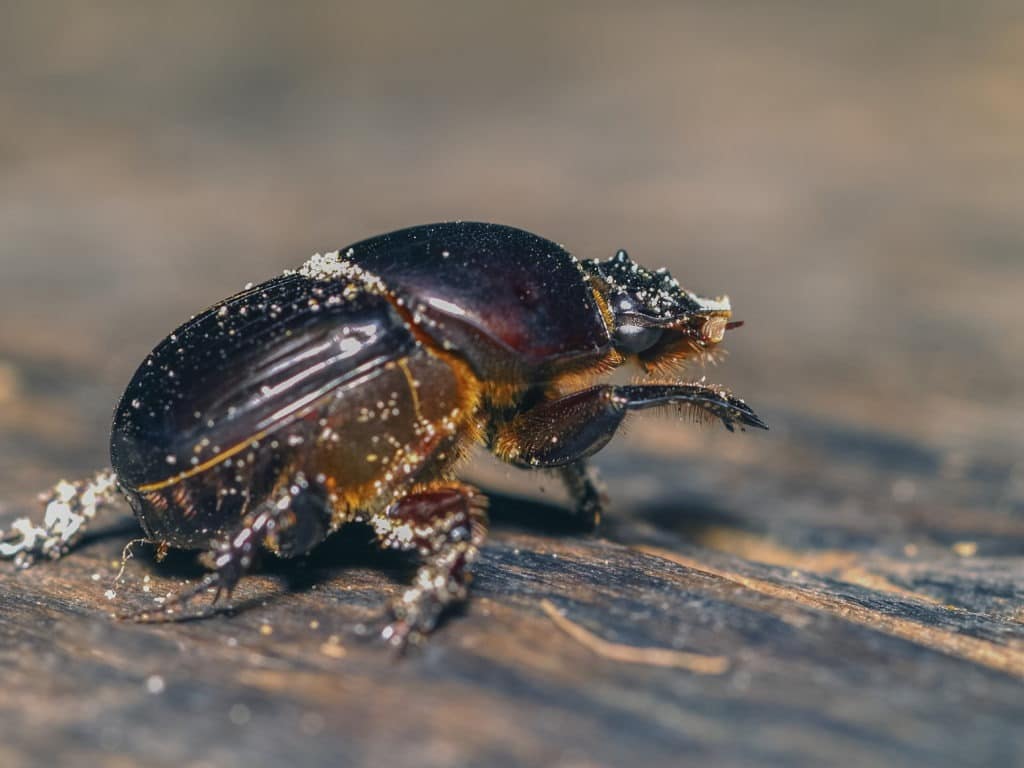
(350, 389)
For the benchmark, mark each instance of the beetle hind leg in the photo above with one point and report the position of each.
(289, 523)
(446, 524)
(68, 509)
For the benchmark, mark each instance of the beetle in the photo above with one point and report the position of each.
(351, 388)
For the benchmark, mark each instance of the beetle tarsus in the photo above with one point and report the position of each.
(290, 524)
(717, 403)
(232, 563)
(166, 611)
(446, 524)
(68, 509)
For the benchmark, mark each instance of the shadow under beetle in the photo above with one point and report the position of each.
(350, 389)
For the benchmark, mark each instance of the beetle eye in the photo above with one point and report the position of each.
(636, 339)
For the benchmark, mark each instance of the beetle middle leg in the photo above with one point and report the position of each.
(587, 491)
(290, 523)
(446, 524)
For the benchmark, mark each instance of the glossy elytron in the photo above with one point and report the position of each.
(349, 390)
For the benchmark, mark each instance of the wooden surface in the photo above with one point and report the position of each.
(847, 589)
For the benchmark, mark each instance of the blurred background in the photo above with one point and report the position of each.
(851, 174)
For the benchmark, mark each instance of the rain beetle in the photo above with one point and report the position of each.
(351, 388)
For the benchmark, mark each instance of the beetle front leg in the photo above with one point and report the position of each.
(446, 524)
(68, 508)
(560, 432)
(290, 523)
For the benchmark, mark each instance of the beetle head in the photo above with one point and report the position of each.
(656, 321)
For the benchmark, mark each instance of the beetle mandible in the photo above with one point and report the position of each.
(351, 388)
